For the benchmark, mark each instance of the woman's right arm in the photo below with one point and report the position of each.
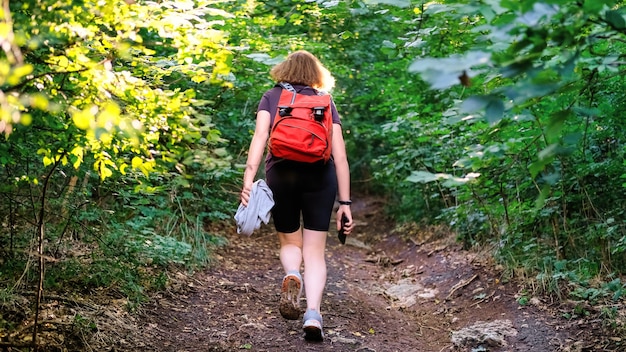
(255, 153)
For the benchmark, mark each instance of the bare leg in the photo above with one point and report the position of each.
(314, 245)
(291, 288)
(291, 250)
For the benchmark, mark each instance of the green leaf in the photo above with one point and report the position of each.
(445, 72)
(615, 19)
(265, 58)
(83, 119)
(493, 5)
(433, 8)
(556, 123)
(548, 152)
(346, 35)
(494, 111)
(18, 73)
(136, 162)
(488, 13)
(474, 103)
(398, 3)
(516, 67)
(593, 6)
(422, 177)
(541, 199)
(448, 180)
(538, 166)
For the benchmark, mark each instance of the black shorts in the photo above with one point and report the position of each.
(302, 189)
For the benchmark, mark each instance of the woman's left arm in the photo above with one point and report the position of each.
(342, 167)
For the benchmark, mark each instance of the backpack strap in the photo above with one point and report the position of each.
(288, 87)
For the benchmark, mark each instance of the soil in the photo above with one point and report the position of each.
(389, 289)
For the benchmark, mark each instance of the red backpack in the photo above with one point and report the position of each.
(303, 126)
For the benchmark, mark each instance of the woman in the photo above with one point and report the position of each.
(306, 190)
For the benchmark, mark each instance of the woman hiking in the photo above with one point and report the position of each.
(304, 192)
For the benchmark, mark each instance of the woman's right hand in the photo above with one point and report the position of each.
(245, 194)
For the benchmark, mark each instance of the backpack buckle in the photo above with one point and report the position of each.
(284, 111)
(318, 113)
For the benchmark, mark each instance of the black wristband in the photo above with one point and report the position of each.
(344, 202)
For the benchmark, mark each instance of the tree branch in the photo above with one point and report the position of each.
(32, 78)
(42, 261)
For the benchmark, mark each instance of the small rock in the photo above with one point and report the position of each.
(490, 333)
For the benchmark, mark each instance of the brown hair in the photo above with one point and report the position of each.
(302, 67)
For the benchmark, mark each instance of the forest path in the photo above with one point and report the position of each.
(384, 294)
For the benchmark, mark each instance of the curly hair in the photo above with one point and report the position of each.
(302, 67)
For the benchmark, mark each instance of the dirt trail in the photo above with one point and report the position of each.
(384, 294)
